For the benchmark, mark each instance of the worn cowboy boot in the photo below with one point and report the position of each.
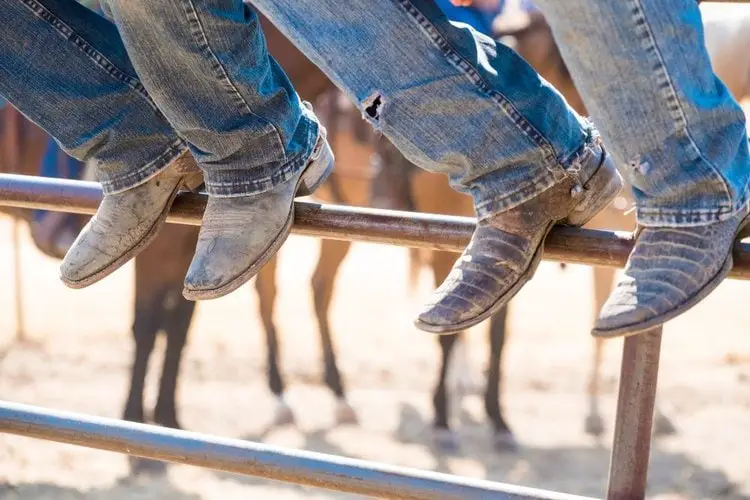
(239, 235)
(126, 223)
(669, 271)
(507, 247)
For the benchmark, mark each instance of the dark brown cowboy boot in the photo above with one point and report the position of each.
(506, 248)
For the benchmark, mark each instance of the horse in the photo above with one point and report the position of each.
(160, 268)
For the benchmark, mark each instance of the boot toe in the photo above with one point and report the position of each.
(669, 271)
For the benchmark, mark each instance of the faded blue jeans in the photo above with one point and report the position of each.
(195, 73)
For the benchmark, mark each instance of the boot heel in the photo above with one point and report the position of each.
(192, 182)
(317, 171)
(600, 190)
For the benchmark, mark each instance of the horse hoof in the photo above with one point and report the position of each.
(284, 415)
(505, 441)
(446, 440)
(594, 425)
(345, 414)
(663, 426)
(145, 467)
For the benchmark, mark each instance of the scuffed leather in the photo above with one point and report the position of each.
(667, 270)
(120, 224)
(501, 254)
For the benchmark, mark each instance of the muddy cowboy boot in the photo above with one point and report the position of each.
(241, 234)
(126, 223)
(506, 248)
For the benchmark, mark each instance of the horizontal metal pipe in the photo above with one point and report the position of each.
(411, 229)
(255, 459)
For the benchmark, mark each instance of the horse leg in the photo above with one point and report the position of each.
(332, 254)
(178, 315)
(148, 316)
(504, 438)
(446, 439)
(594, 424)
(149, 313)
(265, 285)
(444, 436)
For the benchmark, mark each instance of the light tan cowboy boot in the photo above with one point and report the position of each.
(126, 223)
(506, 248)
(239, 235)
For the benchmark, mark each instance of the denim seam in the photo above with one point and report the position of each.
(673, 101)
(476, 78)
(256, 186)
(119, 183)
(201, 39)
(523, 193)
(88, 49)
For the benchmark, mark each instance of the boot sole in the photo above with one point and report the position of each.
(604, 197)
(190, 182)
(708, 288)
(310, 180)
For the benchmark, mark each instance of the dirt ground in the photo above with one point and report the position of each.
(78, 359)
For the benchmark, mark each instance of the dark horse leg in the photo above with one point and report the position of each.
(504, 439)
(177, 318)
(149, 315)
(445, 438)
(332, 254)
(265, 284)
(159, 305)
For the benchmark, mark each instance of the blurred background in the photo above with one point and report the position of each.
(319, 352)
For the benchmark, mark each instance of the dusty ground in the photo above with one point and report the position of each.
(81, 347)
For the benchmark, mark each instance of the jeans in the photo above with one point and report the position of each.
(132, 99)
(195, 73)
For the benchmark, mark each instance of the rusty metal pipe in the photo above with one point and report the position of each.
(628, 471)
(255, 459)
(437, 232)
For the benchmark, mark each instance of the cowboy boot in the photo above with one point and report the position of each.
(239, 235)
(506, 248)
(126, 223)
(669, 271)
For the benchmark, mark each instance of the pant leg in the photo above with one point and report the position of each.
(645, 76)
(66, 69)
(452, 100)
(206, 65)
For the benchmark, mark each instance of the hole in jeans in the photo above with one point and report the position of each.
(373, 109)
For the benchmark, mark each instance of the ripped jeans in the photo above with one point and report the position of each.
(176, 74)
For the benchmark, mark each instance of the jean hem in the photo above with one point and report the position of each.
(488, 205)
(117, 183)
(676, 217)
(249, 182)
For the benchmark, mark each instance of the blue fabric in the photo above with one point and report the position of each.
(476, 18)
(56, 163)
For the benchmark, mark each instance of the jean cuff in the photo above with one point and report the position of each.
(677, 217)
(227, 183)
(492, 196)
(113, 183)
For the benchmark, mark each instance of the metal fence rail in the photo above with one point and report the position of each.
(572, 245)
(640, 362)
(264, 461)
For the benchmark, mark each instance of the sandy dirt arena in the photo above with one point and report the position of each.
(80, 353)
